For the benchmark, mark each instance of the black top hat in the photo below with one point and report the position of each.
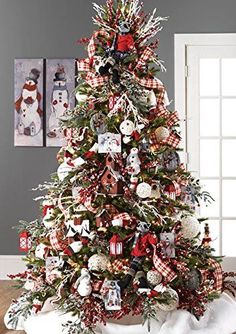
(34, 75)
(60, 74)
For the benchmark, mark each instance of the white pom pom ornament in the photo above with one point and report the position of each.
(144, 190)
(190, 227)
(161, 133)
(127, 127)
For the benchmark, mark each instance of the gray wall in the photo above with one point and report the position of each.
(50, 28)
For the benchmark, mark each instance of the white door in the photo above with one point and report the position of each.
(210, 137)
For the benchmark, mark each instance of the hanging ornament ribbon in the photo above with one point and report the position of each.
(162, 267)
(218, 274)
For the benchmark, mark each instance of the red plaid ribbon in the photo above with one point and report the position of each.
(162, 267)
(177, 188)
(153, 84)
(218, 273)
(122, 216)
(146, 55)
(57, 241)
(173, 140)
(83, 65)
(92, 46)
(95, 80)
(173, 119)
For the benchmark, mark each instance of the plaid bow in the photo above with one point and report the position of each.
(173, 139)
(57, 241)
(162, 267)
(173, 119)
(218, 273)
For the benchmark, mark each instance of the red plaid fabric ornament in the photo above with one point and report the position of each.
(218, 273)
(57, 240)
(119, 265)
(146, 55)
(163, 268)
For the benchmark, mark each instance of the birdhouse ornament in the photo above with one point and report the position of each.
(116, 245)
(24, 241)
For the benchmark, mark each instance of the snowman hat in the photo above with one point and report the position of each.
(60, 74)
(34, 75)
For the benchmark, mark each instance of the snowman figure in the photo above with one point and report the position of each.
(83, 283)
(28, 106)
(48, 214)
(59, 103)
(133, 162)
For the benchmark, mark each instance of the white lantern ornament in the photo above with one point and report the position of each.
(190, 227)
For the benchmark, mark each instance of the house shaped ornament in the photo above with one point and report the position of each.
(111, 180)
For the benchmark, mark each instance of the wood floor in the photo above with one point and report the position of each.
(7, 293)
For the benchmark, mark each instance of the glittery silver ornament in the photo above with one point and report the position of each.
(154, 277)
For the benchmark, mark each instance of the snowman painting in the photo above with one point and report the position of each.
(28, 119)
(60, 84)
(59, 103)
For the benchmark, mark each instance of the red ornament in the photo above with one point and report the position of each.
(116, 245)
(24, 241)
(112, 100)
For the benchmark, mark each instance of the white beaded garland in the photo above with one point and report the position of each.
(190, 227)
(144, 190)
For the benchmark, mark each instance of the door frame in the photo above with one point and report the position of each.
(181, 42)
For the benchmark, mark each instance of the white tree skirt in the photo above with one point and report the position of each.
(220, 318)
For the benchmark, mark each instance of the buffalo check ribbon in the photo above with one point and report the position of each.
(57, 240)
(92, 46)
(93, 79)
(163, 268)
(218, 274)
(146, 55)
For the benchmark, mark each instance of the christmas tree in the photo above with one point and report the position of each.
(119, 232)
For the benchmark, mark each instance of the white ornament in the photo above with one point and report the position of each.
(144, 190)
(49, 214)
(81, 97)
(83, 283)
(29, 285)
(68, 166)
(127, 127)
(190, 227)
(172, 303)
(154, 277)
(98, 262)
(152, 100)
(133, 162)
(161, 133)
(41, 251)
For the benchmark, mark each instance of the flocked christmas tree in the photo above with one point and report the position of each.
(119, 232)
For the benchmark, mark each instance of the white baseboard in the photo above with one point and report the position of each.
(10, 264)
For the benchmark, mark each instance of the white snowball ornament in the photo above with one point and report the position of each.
(161, 133)
(144, 190)
(98, 262)
(41, 251)
(154, 277)
(190, 227)
(173, 301)
(127, 127)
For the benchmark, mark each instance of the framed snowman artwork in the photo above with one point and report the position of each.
(60, 83)
(28, 115)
